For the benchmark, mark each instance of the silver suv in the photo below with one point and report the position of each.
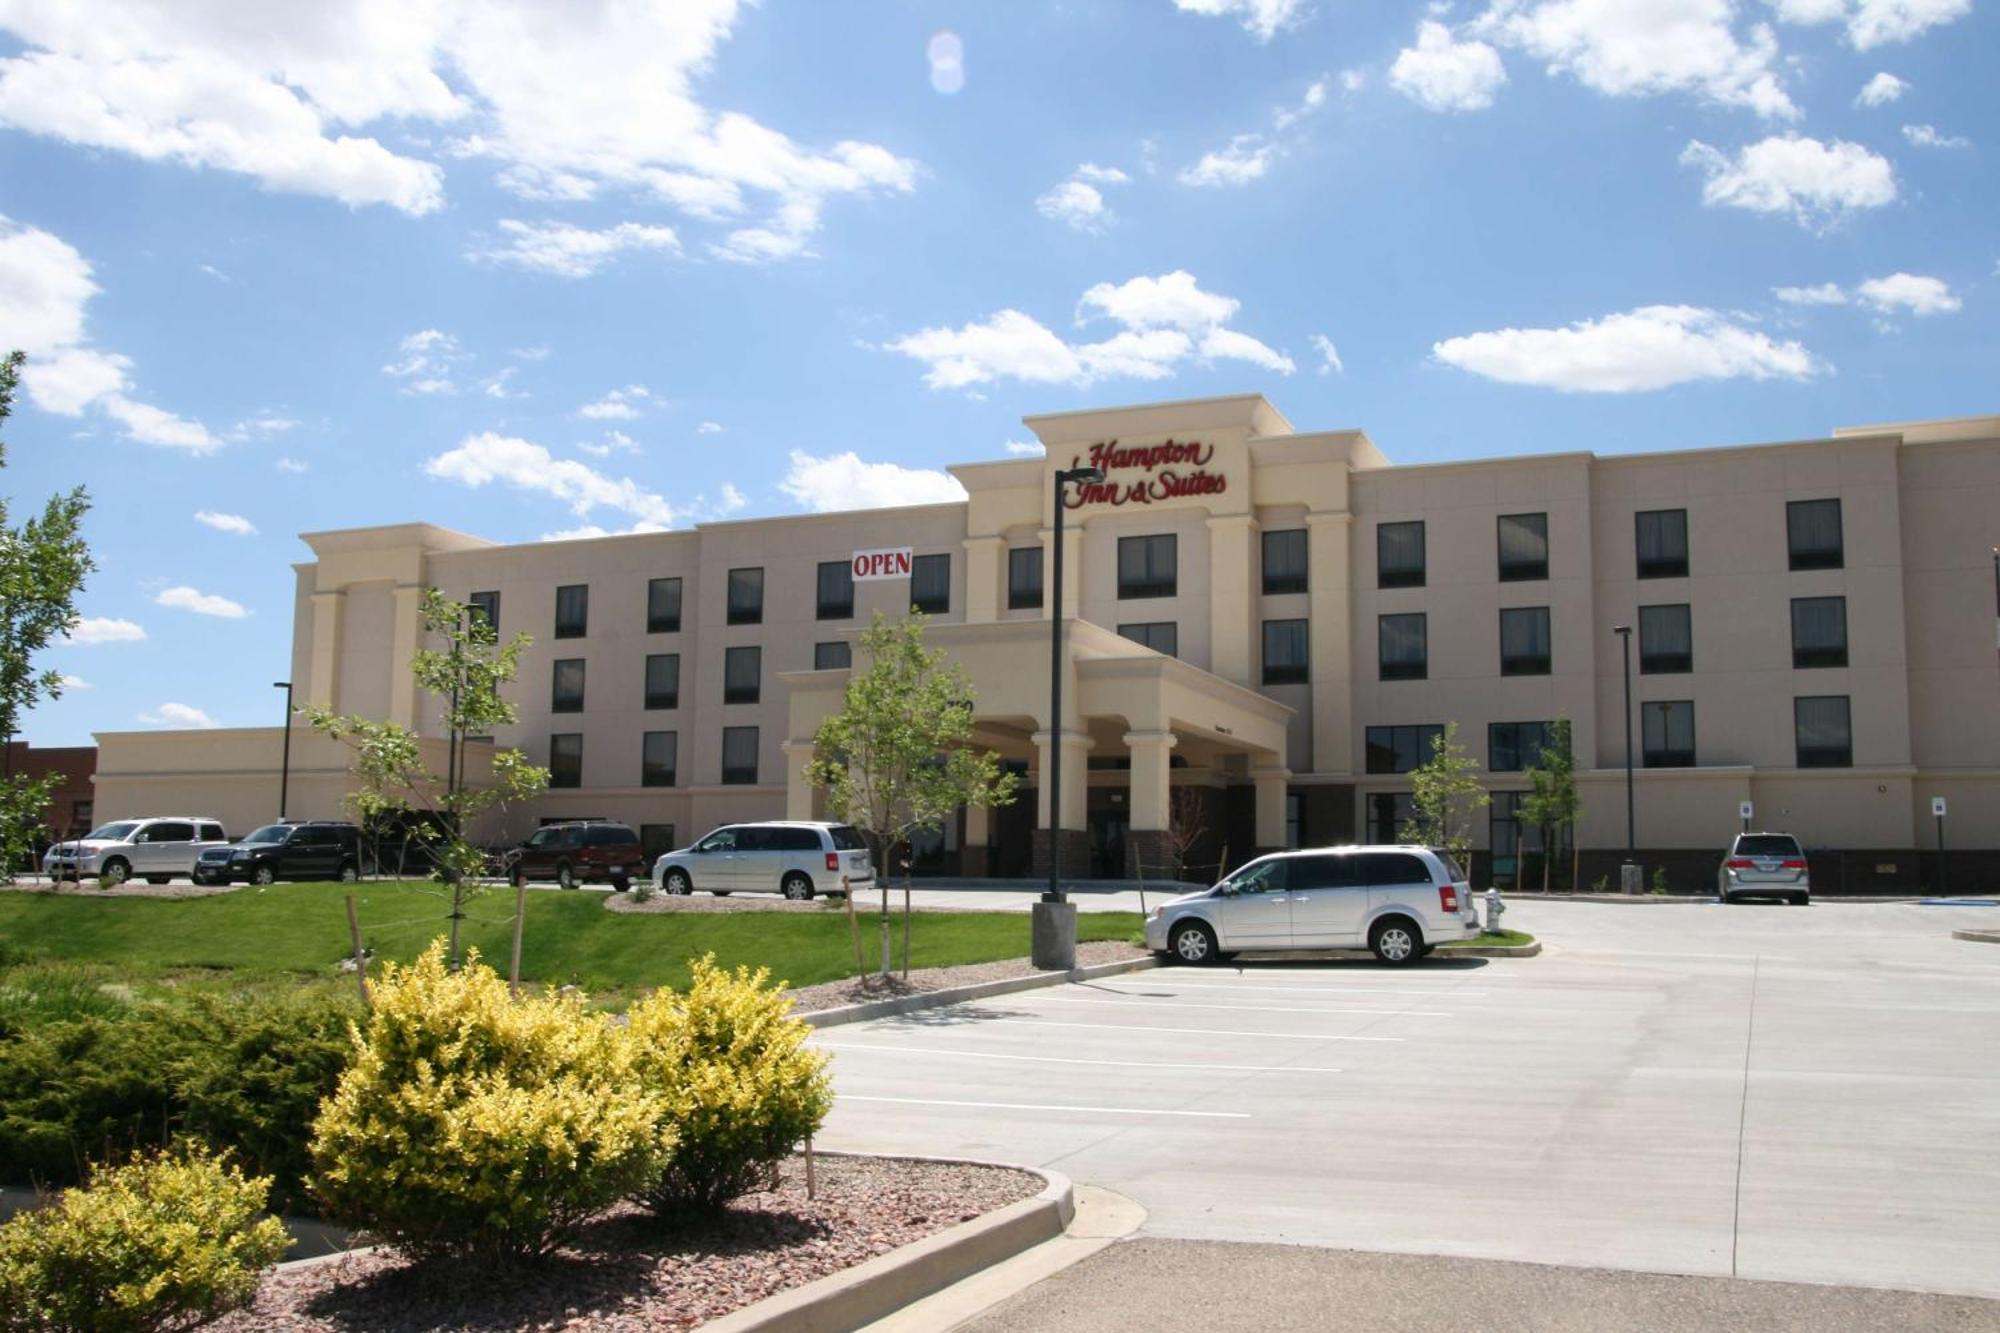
(153, 849)
(1400, 902)
(797, 858)
(1764, 865)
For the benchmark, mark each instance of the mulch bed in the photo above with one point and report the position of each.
(834, 994)
(630, 1271)
(708, 902)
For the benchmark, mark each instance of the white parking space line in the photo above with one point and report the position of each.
(1644, 953)
(1303, 990)
(1246, 1008)
(1029, 1106)
(1196, 1032)
(1062, 1060)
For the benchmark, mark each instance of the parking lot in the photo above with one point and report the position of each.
(1781, 1093)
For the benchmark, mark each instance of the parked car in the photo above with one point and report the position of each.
(797, 858)
(1764, 865)
(303, 849)
(1400, 902)
(579, 853)
(154, 849)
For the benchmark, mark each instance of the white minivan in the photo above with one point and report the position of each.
(1400, 902)
(795, 857)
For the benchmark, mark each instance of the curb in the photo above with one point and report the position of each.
(885, 1284)
(909, 1004)
(1977, 936)
(1489, 951)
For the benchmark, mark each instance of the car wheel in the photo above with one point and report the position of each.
(1802, 900)
(1192, 943)
(1429, 949)
(114, 872)
(565, 877)
(620, 882)
(679, 884)
(159, 879)
(263, 875)
(798, 888)
(1396, 942)
(349, 872)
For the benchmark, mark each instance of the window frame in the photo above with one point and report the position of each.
(650, 768)
(1147, 630)
(1815, 557)
(1416, 669)
(1521, 571)
(579, 627)
(846, 651)
(558, 703)
(1403, 577)
(935, 605)
(672, 699)
(734, 692)
(565, 773)
(1801, 655)
(1154, 585)
(739, 776)
(486, 606)
(1289, 673)
(1517, 744)
(1665, 756)
(1659, 663)
(1660, 567)
(834, 608)
(1845, 757)
(1020, 596)
(1420, 736)
(1519, 665)
(659, 621)
(1285, 582)
(744, 613)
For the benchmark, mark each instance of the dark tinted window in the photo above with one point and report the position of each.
(739, 756)
(835, 596)
(486, 605)
(1825, 731)
(1513, 746)
(1399, 555)
(611, 835)
(1662, 541)
(930, 584)
(1819, 632)
(753, 839)
(1024, 578)
(212, 833)
(566, 692)
(746, 596)
(1667, 733)
(1767, 844)
(572, 611)
(170, 832)
(1666, 639)
(742, 675)
(1383, 869)
(1404, 648)
(1388, 812)
(566, 759)
(1162, 636)
(848, 839)
(1148, 566)
(659, 758)
(1285, 657)
(663, 606)
(1321, 872)
(799, 839)
(656, 840)
(1524, 547)
(1812, 531)
(1285, 560)
(1400, 749)
(835, 655)
(1524, 641)
(663, 680)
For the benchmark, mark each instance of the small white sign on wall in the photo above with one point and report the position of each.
(1937, 807)
(1743, 810)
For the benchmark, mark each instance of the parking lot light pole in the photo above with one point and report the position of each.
(1064, 478)
(1624, 633)
(285, 764)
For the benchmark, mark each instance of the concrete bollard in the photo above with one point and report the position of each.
(1052, 944)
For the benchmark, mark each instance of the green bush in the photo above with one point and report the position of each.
(164, 1242)
(474, 1125)
(739, 1084)
(35, 993)
(83, 1090)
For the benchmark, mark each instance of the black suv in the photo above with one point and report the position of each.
(315, 849)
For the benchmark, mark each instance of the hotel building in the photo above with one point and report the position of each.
(1275, 621)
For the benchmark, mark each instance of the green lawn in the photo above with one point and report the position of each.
(570, 938)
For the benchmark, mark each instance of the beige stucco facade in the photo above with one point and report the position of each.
(1918, 516)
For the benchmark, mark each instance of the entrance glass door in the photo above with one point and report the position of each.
(1107, 844)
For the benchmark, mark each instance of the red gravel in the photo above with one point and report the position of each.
(630, 1271)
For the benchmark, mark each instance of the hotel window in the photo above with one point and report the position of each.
(655, 841)
(1147, 566)
(746, 596)
(663, 680)
(1403, 647)
(1388, 812)
(1285, 660)
(1024, 578)
(1507, 836)
(834, 655)
(1400, 749)
(486, 606)
(1819, 632)
(742, 672)
(930, 584)
(1666, 640)
(572, 610)
(1514, 746)
(1162, 636)
(1524, 547)
(1399, 555)
(1662, 536)
(1667, 734)
(1812, 530)
(663, 606)
(836, 590)
(566, 693)
(1285, 561)
(739, 756)
(1825, 731)
(1524, 641)
(659, 755)
(566, 759)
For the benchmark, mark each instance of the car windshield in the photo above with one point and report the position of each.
(115, 832)
(1767, 844)
(270, 833)
(848, 839)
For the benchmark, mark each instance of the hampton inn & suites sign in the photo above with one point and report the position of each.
(1144, 473)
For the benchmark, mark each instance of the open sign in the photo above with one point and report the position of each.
(889, 563)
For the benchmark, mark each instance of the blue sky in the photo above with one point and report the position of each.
(642, 265)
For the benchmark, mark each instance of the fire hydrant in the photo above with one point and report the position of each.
(1494, 907)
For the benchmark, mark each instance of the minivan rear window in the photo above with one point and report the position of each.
(1767, 844)
(1387, 868)
(848, 839)
(797, 839)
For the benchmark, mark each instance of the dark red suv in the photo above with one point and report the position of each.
(579, 853)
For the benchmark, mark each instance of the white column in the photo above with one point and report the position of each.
(1330, 642)
(322, 687)
(798, 791)
(1271, 791)
(985, 578)
(1234, 633)
(1152, 765)
(1075, 779)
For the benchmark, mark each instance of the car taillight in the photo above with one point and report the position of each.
(1740, 863)
(833, 860)
(1448, 897)
(1795, 865)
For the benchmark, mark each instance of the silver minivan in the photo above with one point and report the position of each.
(798, 858)
(1764, 865)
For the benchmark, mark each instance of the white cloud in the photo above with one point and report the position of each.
(76, 683)
(614, 442)
(481, 459)
(1076, 204)
(1101, 175)
(565, 102)
(709, 428)
(1329, 355)
(730, 500)
(1261, 18)
(178, 715)
(573, 252)
(1908, 292)
(618, 405)
(495, 386)
(1172, 299)
(1230, 345)
(1881, 90)
(1825, 293)
(232, 523)
(430, 358)
(93, 630)
(1025, 448)
(1927, 136)
(1872, 23)
(262, 426)
(530, 353)
(843, 481)
(45, 283)
(292, 465)
(1653, 347)
(1628, 48)
(1447, 75)
(183, 598)
(1790, 174)
(1246, 159)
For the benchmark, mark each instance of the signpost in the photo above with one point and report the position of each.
(1744, 810)
(1937, 812)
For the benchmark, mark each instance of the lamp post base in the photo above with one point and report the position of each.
(1053, 942)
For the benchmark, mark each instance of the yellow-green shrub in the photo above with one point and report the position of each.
(478, 1125)
(163, 1242)
(741, 1087)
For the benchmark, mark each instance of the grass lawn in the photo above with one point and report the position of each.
(569, 938)
(1488, 939)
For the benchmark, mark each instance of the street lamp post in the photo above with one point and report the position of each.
(1054, 938)
(1624, 633)
(285, 764)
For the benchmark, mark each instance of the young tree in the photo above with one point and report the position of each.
(397, 783)
(1187, 825)
(1553, 805)
(898, 757)
(1447, 797)
(43, 563)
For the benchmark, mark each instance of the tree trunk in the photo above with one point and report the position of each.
(1548, 854)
